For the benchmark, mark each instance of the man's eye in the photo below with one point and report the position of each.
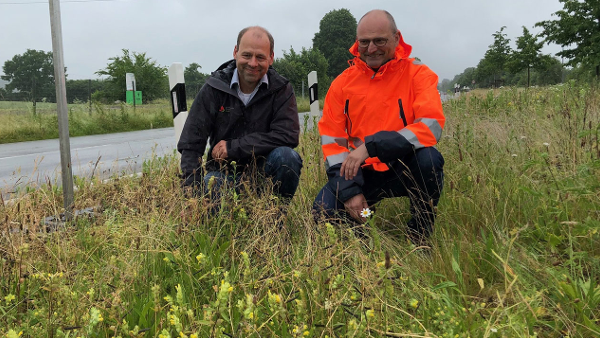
(378, 41)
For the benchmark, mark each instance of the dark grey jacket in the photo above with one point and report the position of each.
(270, 120)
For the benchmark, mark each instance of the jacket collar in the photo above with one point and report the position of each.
(402, 52)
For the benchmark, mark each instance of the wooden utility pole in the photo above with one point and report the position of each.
(61, 105)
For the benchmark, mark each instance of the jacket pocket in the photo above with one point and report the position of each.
(402, 116)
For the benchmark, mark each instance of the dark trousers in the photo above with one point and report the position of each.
(419, 176)
(282, 166)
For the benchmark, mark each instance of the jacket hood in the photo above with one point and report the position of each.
(402, 50)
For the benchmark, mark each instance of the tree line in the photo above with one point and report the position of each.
(576, 29)
(30, 75)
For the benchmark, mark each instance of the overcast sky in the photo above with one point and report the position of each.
(448, 36)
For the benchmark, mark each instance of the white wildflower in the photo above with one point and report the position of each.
(366, 212)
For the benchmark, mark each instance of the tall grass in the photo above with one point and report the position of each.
(515, 252)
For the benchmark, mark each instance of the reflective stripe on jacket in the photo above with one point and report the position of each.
(393, 111)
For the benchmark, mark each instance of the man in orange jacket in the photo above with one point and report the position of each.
(381, 120)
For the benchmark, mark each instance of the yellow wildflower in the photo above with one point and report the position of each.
(9, 298)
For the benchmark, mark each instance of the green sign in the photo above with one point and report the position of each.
(129, 97)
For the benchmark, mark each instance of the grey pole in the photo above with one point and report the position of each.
(61, 105)
(133, 86)
(90, 95)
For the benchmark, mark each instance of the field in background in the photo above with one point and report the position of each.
(18, 123)
(515, 252)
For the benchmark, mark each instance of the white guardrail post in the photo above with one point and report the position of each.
(178, 98)
(313, 94)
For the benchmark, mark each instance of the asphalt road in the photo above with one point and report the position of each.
(38, 162)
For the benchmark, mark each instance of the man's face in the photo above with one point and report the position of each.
(252, 57)
(375, 29)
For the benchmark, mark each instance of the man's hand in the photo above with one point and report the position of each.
(351, 164)
(219, 152)
(355, 205)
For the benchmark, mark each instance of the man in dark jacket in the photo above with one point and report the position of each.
(249, 114)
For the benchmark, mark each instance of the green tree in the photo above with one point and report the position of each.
(581, 73)
(495, 59)
(465, 79)
(296, 66)
(194, 79)
(32, 73)
(81, 90)
(551, 72)
(528, 54)
(577, 30)
(444, 86)
(337, 33)
(150, 78)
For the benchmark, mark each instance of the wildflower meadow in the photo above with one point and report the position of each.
(515, 251)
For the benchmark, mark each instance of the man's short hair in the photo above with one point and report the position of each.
(391, 20)
(243, 31)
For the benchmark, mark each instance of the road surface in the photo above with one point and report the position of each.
(38, 162)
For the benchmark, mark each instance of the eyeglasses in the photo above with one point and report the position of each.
(379, 42)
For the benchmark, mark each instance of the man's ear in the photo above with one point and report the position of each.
(272, 59)
(235, 50)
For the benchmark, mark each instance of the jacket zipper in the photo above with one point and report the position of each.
(402, 116)
(348, 120)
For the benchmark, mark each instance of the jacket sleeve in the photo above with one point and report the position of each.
(425, 131)
(194, 136)
(284, 129)
(334, 143)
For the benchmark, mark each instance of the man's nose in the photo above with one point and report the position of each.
(372, 48)
(253, 62)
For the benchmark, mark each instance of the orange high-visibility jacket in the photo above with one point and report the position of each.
(393, 111)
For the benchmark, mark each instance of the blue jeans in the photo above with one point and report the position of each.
(419, 175)
(282, 166)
